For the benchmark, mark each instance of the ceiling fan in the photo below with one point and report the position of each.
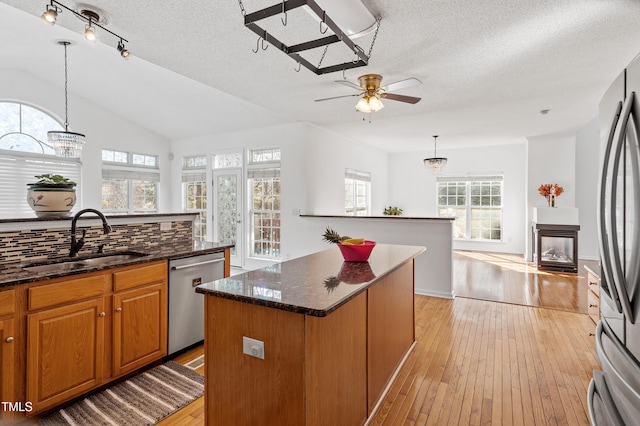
(371, 92)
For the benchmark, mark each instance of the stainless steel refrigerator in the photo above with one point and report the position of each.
(614, 392)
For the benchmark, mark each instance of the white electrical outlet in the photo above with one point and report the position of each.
(252, 347)
(165, 226)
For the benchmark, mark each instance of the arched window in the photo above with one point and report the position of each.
(24, 128)
(24, 154)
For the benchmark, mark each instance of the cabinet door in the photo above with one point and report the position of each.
(65, 349)
(139, 327)
(7, 356)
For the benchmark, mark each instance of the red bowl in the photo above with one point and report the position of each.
(357, 253)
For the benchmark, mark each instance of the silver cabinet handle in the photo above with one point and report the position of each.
(101, 314)
(9, 339)
(191, 265)
(118, 309)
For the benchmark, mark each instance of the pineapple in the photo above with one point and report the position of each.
(333, 237)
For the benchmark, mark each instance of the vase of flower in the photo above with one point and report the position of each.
(550, 191)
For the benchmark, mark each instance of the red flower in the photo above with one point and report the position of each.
(547, 188)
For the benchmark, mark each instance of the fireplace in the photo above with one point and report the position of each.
(556, 247)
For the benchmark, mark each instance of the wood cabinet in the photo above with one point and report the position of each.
(64, 352)
(140, 318)
(86, 330)
(7, 349)
(593, 297)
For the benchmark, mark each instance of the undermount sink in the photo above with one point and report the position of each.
(71, 264)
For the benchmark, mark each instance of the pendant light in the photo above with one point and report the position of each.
(435, 163)
(66, 143)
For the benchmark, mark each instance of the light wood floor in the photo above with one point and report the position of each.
(486, 362)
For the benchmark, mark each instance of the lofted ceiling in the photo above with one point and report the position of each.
(487, 68)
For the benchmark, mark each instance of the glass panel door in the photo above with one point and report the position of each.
(227, 215)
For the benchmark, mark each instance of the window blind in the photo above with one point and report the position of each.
(263, 173)
(131, 175)
(470, 178)
(357, 175)
(17, 169)
(193, 176)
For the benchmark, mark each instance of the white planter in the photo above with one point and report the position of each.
(51, 200)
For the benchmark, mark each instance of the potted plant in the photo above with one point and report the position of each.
(392, 211)
(51, 195)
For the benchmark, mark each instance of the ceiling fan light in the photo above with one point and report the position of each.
(375, 104)
(90, 34)
(363, 105)
(50, 16)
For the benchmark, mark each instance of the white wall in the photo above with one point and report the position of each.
(551, 159)
(413, 188)
(103, 130)
(587, 175)
(312, 171)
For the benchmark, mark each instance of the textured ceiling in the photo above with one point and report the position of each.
(487, 67)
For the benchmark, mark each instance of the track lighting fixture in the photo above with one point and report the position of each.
(90, 33)
(125, 53)
(50, 16)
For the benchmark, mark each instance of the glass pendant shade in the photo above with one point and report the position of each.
(369, 104)
(66, 144)
(435, 163)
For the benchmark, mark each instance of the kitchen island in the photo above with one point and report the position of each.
(325, 338)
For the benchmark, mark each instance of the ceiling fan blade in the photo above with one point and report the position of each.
(401, 98)
(348, 83)
(402, 84)
(337, 97)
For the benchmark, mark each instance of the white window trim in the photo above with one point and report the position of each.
(469, 178)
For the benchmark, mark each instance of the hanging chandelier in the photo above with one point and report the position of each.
(66, 143)
(435, 163)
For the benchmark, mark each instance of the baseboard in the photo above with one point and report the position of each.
(440, 294)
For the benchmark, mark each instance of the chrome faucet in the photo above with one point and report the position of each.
(77, 245)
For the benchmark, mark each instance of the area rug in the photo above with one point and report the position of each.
(144, 399)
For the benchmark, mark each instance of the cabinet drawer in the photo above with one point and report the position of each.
(594, 306)
(67, 291)
(7, 302)
(594, 283)
(139, 275)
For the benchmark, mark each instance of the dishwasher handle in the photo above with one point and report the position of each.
(191, 265)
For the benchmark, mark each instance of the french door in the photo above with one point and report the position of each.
(227, 212)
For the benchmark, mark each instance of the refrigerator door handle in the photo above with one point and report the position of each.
(602, 229)
(612, 237)
(599, 385)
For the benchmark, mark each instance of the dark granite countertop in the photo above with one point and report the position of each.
(444, 219)
(314, 285)
(13, 273)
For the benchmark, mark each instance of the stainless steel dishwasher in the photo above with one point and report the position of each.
(186, 307)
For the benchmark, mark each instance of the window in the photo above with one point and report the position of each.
(194, 193)
(475, 202)
(24, 128)
(24, 155)
(128, 186)
(357, 188)
(263, 173)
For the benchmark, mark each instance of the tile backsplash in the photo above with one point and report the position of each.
(34, 245)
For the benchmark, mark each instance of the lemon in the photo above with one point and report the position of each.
(353, 241)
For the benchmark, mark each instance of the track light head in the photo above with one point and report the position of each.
(90, 34)
(50, 16)
(125, 53)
